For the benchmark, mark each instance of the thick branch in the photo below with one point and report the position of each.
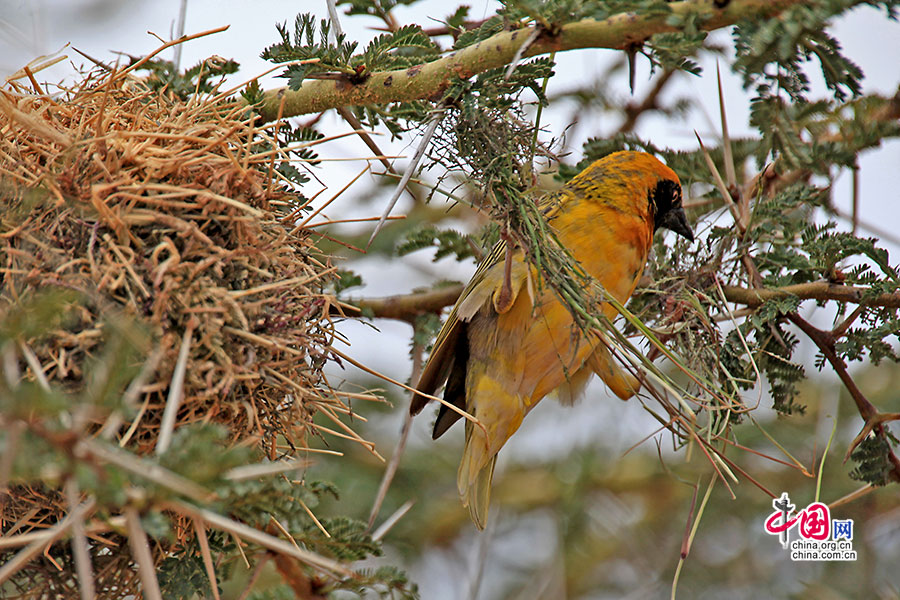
(429, 79)
(820, 290)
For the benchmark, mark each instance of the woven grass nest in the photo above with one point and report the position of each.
(168, 212)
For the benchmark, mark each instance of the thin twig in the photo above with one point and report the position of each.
(723, 189)
(650, 102)
(309, 218)
(129, 397)
(245, 472)
(258, 537)
(35, 365)
(873, 419)
(394, 463)
(179, 33)
(46, 539)
(140, 551)
(336, 29)
(410, 389)
(80, 548)
(410, 169)
(144, 468)
(727, 154)
(176, 391)
(187, 38)
(392, 520)
(517, 57)
(254, 576)
(816, 290)
(203, 541)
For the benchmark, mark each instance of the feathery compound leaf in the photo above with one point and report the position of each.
(674, 50)
(407, 46)
(446, 242)
(484, 31)
(873, 461)
(329, 57)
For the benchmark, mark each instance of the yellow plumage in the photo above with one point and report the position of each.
(503, 349)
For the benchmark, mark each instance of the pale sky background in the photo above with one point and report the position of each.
(29, 28)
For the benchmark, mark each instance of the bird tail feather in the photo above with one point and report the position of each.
(475, 491)
(498, 420)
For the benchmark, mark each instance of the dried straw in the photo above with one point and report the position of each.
(161, 209)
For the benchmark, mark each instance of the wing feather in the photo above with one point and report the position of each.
(441, 361)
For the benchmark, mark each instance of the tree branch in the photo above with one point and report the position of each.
(874, 420)
(818, 290)
(406, 307)
(429, 79)
(634, 111)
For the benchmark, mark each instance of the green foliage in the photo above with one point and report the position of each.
(34, 316)
(873, 460)
(673, 50)
(396, 50)
(771, 55)
(773, 352)
(182, 577)
(347, 539)
(201, 453)
(300, 140)
(304, 45)
(387, 582)
(256, 501)
(200, 79)
(425, 329)
(551, 16)
(490, 27)
(345, 280)
(445, 241)
(281, 592)
(253, 93)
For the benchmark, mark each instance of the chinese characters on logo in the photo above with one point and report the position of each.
(821, 537)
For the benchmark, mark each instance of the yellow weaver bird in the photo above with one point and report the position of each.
(501, 351)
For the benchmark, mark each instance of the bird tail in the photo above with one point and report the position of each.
(499, 415)
(474, 481)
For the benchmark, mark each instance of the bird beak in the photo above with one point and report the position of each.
(677, 221)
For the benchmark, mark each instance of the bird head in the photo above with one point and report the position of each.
(665, 200)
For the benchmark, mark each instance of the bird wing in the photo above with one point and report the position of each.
(447, 355)
(441, 360)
